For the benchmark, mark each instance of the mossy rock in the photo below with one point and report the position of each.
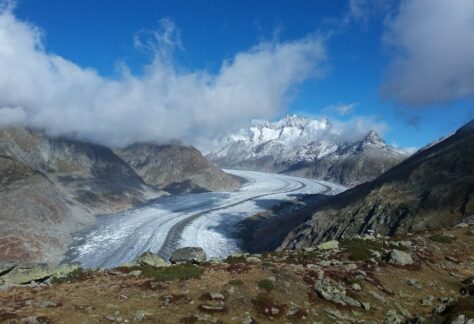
(152, 259)
(27, 273)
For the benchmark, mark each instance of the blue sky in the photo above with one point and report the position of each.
(100, 35)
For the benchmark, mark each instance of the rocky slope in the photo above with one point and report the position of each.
(425, 278)
(176, 168)
(90, 173)
(305, 147)
(52, 187)
(434, 188)
(35, 217)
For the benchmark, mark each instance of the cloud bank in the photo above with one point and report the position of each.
(433, 52)
(45, 90)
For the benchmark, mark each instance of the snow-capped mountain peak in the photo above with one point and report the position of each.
(277, 146)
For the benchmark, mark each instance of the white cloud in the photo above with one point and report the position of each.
(53, 93)
(342, 109)
(433, 44)
(357, 128)
(12, 116)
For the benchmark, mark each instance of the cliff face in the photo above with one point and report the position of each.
(434, 188)
(176, 168)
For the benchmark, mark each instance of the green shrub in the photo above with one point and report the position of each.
(235, 282)
(235, 259)
(266, 284)
(361, 250)
(443, 239)
(74, 276)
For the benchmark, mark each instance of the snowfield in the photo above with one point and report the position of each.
(206, 219)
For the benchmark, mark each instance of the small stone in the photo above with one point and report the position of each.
(30, 320)
(216, 296)
(329, 245)
(376, 254)
(212, 308)
(398, 257)
(46, 304)
(461, 319)
(440, 308)
(135, 273)
(253, 260)
(365, 305)
(427, 301)
(141, 315)
(406, 244)
(462, 225)
(275, 311)
(357, 287)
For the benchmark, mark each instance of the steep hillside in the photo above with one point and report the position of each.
(434, 188)
(52, 187)
(92, 174)
(35, 216)
(176, 168)
(306, 147)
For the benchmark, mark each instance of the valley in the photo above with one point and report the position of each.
(206, 219)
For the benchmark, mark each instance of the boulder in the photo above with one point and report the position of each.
(189, 255)
(151, 259)
(398, 257)
(329, 245)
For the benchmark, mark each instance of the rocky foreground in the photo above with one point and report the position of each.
(419, 278)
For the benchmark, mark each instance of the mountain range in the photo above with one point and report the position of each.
(434, 188)
(53, 186)
(306, 147)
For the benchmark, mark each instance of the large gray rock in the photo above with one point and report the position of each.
(399, 257)
(188, 255)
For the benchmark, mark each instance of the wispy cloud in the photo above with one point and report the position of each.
(342, 109)
(42, 89)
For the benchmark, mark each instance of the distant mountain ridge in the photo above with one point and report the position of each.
(306, 147)
(176, 168)
(434, 188)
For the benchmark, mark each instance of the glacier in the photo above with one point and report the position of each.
(206, 219)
